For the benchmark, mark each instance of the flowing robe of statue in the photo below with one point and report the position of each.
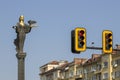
(21, 35)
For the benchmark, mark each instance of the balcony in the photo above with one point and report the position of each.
(98, 71)
(79, 76)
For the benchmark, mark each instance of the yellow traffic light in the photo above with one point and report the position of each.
(80, 39)
(107, 42)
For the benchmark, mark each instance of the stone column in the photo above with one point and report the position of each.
(21, 65)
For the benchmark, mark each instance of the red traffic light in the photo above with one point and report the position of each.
(81, 35)
(108, 35)
(80, 39)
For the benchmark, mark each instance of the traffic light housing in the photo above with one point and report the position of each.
(80, 39)
(73, 42)
(107, 41)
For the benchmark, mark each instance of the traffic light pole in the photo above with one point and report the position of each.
(100, 48)
(97, 48)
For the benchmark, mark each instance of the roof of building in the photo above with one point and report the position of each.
(94, 58)
(51, 63)
(60, 67)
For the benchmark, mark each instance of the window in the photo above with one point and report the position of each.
(105, 75)
(117, 74)
(55, 75)
(71, 73)
(85, 71)
(93, 68)
(94, 77)
(99, 77)
(79, 72)
(117, 61)
(85, 77)
(98, 66)
(105, 64)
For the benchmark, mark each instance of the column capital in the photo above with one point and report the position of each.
(21, 55)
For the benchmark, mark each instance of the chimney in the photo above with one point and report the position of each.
(79, 60)
(95, 55)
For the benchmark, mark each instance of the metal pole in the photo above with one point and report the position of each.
(100, 48)
(97, 48)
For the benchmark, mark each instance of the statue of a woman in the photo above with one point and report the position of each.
(21, 29)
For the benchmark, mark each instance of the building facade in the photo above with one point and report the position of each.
(98, 67)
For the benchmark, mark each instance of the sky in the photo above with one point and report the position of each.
(51, 39)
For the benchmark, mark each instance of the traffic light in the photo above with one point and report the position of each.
(80, 39)
(73, 42)
(107, 41)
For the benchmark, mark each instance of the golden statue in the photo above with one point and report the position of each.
(22, 29)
